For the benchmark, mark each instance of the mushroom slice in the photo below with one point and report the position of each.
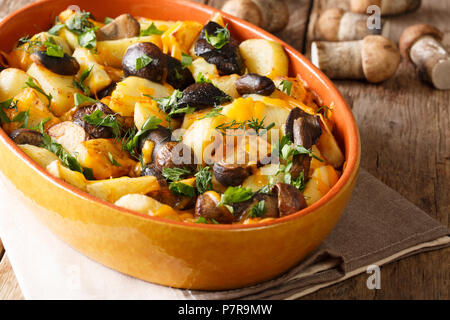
(68, 134)
(158, 136)
(254, 83)
(206, 207)
(124, 26)
(66, 66)
(26, 136)
(230, 174)
(177, 76)
(98, 132)
(174, 155)
(303, 128)
(227, 59)
(290, 199)
(153, 62)
(202, 95)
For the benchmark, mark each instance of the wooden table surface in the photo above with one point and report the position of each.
(405, 131)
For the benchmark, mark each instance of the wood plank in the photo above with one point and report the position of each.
(9, 288)
(404, 126)
(294, 33)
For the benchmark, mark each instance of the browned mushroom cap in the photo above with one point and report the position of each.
(93, 130)
(206, 207)
(413, 33)
(230, 174)
(328, 24)
(254, 83)
(388, 7)
(124, 26)
(303, 128)
(158, 136)
(26, 136)
(66, 66)
(175, 155)
(380, 58)
(290, 199)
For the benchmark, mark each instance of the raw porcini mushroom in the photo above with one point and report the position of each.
(26, 136)
(388, 7)
(124, 26)
(421, 44)
(337, 25)
(271, 15)
(375, 58)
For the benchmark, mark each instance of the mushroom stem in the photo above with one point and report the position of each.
(432, 61)
(338, 25)
(338, 60)
(388, 7)
(375, 58)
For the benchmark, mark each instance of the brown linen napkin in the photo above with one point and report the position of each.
(378, 226)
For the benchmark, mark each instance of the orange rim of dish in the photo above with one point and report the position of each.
(352, 153)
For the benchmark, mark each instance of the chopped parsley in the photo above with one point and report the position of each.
(219, 39)
(206, 221)
(186, 60)
(82, 99)
(170, 105)
(204, 180)
(55, 29)
(113, 161)
(100, 119)
(85, 30)
(234, 195)
(202, 79)
(40, 126)
(213, 113)
(66, 158)
(88, 39)
(259, 210)
(53, 50)
(182, 189)
(8, 104)
(80, 84)
(174, 174)
(150, 124)
(254, 124)
(22, 117)
(152, 29)
(286, 86)
(30, 83)
(143, 61)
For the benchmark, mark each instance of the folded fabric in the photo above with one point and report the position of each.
(378, 226)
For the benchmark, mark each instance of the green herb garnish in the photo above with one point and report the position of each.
(286, 86)
(203, 180)
(143, 61)
(182, 189)
(113, 161)
(100, 119)
(186, 60)
(235, 195)
(40, 126)
(88, 39)
(22, 117)
(259, 210)
(53, 50)
(174, 174)
(66, 158)
(80, 84)
(152, 29)
(219, 39)
(206, 221)
(214, 113)
(150, 124)
(30, 83)
(82, 99)
(202, 79)
(55, 29)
